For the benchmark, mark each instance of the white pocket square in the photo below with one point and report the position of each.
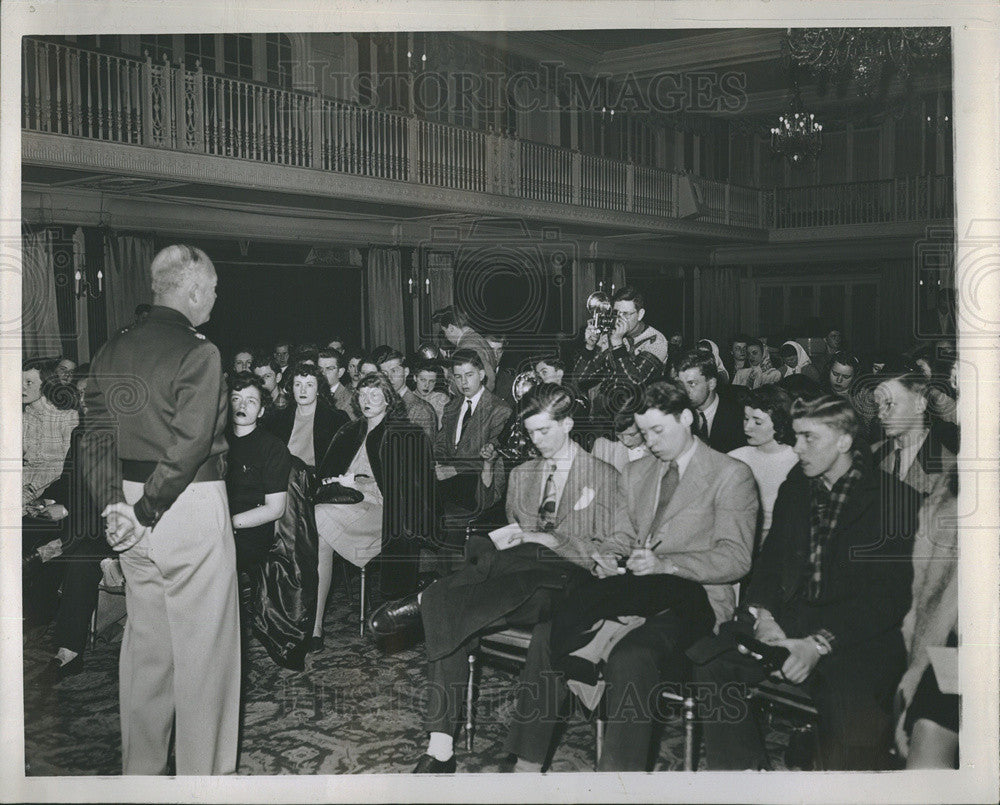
(585, 499)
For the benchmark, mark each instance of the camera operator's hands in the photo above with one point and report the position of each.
(801, 661)
(489, 451)
(591, 335)
(617, 335)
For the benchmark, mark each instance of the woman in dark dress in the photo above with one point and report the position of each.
(307, 426)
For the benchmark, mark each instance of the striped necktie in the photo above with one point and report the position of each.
(547, 511)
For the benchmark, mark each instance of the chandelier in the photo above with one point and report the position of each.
(797, 137)
(867, 56)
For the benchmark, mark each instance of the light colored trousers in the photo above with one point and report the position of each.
(180, 657)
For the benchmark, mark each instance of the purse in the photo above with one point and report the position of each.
(337, 493)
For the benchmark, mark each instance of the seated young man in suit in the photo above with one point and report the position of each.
(687, 511)
(331, 362)
(563, 504)
(718, 418)
(392, 363)
(831, 585)
(914, 451)
(472, 421)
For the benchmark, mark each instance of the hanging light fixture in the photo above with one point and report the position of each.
(797, 137)
(866, 56)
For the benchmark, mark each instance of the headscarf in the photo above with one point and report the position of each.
(719, 365)
(803, 359)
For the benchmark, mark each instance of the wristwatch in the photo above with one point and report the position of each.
(822, 647)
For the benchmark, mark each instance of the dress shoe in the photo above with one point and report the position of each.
(54, 673)
(394, 616)
(431, 765)
(316, 643)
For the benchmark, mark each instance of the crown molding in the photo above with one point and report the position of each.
(705, 51)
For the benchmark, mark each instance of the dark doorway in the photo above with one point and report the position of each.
(260, 303)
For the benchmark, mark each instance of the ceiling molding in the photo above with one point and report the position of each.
(719, 49)
(47, 206)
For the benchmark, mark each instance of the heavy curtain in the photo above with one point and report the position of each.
(126, 280)
(385, 298)
(720, 303)
(585, 283)
(39, 316)
(441, 274)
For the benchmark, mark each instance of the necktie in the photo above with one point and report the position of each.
(896, 460)
(702, 426)
(465, 420)
(547, 511)
(667, 488)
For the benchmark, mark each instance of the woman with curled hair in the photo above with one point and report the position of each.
(308, 425)
(768, 453)
(387, 459)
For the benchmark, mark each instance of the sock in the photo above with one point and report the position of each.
(524, 766)
(441, 746)
(64, 655)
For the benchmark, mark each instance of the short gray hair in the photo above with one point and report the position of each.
(176, 266)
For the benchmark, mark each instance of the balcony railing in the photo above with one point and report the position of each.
(912, 198)
(117, 99)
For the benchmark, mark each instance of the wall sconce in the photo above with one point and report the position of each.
(84, 288)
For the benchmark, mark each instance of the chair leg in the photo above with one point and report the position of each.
(689, 706)
(93, 623)
(363, 591)
(469, 704)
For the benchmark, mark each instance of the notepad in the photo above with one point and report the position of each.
(507, 536)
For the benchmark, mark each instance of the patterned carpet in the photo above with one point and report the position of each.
(356, 708)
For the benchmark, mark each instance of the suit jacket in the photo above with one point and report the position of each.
(867, 592)
(343, 399)
(420, 413)
(485, 425)
(327, 421)
(708, 530)
(504, 385)
(474, 341)
(586, 507)
(726, 431)
(930, 468)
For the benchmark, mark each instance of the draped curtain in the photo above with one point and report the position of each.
(126, 281)
(720, 303)
(618, 279)
(385, 298)
(39, 315)
(585, 276)
(441, 273)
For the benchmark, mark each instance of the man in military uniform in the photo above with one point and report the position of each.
(154, 456)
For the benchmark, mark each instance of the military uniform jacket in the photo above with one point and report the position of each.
(155, 395)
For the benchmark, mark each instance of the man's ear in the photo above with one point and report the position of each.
(640, 314)
(686, 418)
(845, 443)
(340, 372)
(713, 383)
